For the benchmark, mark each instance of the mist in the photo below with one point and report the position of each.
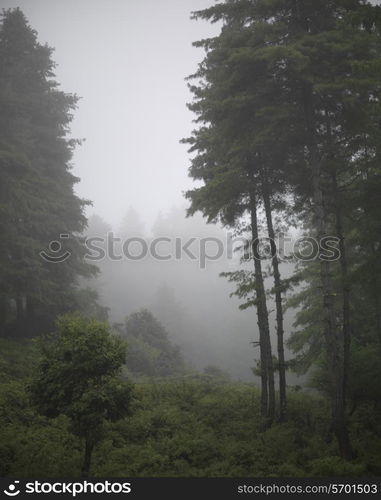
(129, 68)
(127, 60)
(182, 287)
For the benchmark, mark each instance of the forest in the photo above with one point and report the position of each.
(128, 352)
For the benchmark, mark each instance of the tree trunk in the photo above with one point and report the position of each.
(346, 290)
(89, 446)
(278, 299)
(30, 315)
(376, 297)
(267, 371)
(339, 424)
(3, 311)
(19, 308)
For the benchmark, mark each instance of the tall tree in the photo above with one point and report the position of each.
(230, 188)
(317, 63)
(37, 201)
(241, 99)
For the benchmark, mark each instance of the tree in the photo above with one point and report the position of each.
(336, 93)
(232, 101)
(37, 201)
(79, 376)
(132, 225)
(309, 68)
(151, 352)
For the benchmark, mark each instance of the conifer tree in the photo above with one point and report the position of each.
(298, 78)
(37, 200)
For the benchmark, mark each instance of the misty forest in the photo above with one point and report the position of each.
(237, 334)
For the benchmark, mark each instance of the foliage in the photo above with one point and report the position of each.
(150, 350)
(287, 100)
(79, 376)
(194, 425)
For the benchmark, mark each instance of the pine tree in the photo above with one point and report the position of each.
(37, 200)
(298, 79)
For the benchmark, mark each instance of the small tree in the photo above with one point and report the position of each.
(79, 376)
(151, 351)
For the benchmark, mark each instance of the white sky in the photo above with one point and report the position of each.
(127, 59)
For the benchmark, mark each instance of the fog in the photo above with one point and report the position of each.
(173, 270)
(127, 60)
